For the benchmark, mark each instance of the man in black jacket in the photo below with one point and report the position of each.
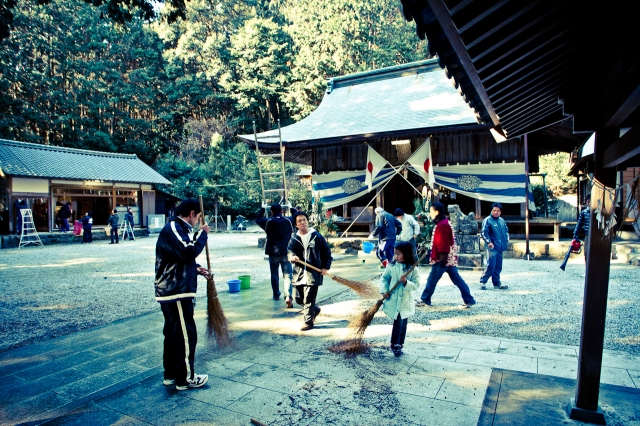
(176, 284)
(65, 214)
(310, 247)
(279, 232)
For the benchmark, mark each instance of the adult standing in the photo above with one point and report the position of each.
(176, 285)
(444, 258)
(20, 204)
(65, 214)
(410, 229)
(279, 230)
(87, 225)
(113, 224)
(496, 238)
(310, 247)
(583, 223)
(387, 228)
(128, 231)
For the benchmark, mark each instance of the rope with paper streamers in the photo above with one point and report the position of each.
(606, 199)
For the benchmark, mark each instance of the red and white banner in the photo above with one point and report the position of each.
(422, 163)
(375, 163)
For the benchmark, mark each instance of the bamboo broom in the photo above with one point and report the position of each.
(356, 345)
(360, 288)
(217, 325)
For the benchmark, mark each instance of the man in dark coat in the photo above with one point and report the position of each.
(176, 285)
(128, 231)
(583, 223)
(496, 238)
(20, 204)
(65, 214)
(113, 224)
(279, 232)
(310, 247)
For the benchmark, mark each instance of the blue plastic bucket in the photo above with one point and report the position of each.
(367, 246)
(234, 286)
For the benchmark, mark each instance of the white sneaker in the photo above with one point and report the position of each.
(198, 380)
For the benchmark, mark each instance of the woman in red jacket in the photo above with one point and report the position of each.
(444, 258)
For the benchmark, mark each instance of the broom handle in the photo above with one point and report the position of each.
(407, 273)
(313, 267)
(206, 245)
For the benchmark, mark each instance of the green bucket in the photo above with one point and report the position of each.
(245, 282)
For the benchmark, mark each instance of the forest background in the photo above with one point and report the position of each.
(176, 94)
(175, 91)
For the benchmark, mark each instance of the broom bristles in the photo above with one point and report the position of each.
(217, 325)
(351, 347)
(365, 290)
(360, 324)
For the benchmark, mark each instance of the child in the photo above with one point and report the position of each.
(87, 224)
(399, 304)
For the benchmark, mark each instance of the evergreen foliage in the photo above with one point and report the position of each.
(177, 91)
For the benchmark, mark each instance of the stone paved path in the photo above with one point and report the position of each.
(277, 374)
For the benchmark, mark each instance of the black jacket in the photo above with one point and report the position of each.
(87, 222)
(583, 223)
(129, 218)
(65, 212)
(317, 254)
(279, 230)
(113, 220)
(176, 268)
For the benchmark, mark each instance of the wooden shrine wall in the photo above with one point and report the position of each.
(449, 148)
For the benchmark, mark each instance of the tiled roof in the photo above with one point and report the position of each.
(395, 99)
(45, 161)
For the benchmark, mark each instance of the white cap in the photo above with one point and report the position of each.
(379, 209)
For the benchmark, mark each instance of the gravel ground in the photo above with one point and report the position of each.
(55, 290)
(542, 304)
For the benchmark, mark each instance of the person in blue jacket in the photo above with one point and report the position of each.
(176, 285)
(279, 230)
(496, 238)
(583, 223)
(87, 225)
(113, 224)
(387, 228)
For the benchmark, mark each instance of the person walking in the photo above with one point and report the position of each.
(310, 247)
(113, 223)
(387, 227)
(583, 223)
(176, 284)
(398, 304)
(65, 214)
(496, 238)
(279, 231)
(128, 231)
(87, 225)
(444, 258)
(410, 229)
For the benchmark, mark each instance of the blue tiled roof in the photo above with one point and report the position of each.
(45, 161)
(400, 98)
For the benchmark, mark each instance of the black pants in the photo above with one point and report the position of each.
(86, 236)
(306, 297)
(180, 338)
(114, 231)
(398, 331)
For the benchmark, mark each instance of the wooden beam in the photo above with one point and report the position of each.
(628, 146)
(444, 19)
(627, 107)
(551, 91)
(529, 112)
(502, 23)
(545, 113)
(544, 68)
(479, 17)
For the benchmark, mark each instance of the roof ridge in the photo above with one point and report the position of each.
(64, 149)
(381, 73)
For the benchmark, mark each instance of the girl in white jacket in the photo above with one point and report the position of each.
(399, 303)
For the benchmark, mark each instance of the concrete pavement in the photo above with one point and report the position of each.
(277, 374)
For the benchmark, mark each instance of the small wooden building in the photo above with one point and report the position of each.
(48, 177)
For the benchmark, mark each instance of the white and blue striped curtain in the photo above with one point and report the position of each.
(336, 188)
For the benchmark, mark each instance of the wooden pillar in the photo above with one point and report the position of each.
(478, 209)
(527, 254)
(585, 405)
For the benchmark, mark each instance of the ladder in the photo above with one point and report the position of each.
(283, 189)
(28, 235)
(126, 227)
